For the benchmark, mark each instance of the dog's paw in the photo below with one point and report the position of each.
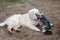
(18, 31)
(37, 30)
(10, 32)
(51, 24)
(48, 32)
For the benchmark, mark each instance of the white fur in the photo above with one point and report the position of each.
(27, 20)
(12, 22)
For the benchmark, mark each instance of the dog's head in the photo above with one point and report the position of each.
(34, 14)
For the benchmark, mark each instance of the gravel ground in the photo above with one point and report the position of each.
(51, 9)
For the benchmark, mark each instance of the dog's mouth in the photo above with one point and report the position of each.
(38, 16)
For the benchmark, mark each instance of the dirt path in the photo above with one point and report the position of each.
(51, 9)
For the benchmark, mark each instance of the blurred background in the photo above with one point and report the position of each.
(51, 9)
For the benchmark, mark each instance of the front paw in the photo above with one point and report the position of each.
(18, 31)
(10, 32)
(38, 30)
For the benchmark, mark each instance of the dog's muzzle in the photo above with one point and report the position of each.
(38, 16)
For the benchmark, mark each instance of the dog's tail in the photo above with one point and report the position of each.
(3, 23)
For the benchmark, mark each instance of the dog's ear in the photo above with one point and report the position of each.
(32, 16)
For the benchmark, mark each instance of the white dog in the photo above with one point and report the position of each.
(12, 22)
(30, 20)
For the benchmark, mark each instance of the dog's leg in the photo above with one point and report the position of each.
(9, 29)
(33, 27)
(16, 28)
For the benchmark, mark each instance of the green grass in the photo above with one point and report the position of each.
(4, 3)
(21, 1)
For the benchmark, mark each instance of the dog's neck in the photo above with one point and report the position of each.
(33, 19)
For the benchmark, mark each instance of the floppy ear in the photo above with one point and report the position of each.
(32, 16)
